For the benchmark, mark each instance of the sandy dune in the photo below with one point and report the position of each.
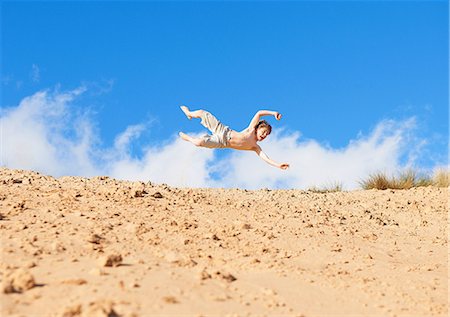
(101, 247)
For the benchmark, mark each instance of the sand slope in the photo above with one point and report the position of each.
(218, 251)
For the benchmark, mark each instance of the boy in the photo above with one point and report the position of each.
(224, 137)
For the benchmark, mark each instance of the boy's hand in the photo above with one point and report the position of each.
(277, 115)
(284, 166)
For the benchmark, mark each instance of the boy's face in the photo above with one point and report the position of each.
(262, 133)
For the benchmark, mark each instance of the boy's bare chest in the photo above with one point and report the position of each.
(244, 141)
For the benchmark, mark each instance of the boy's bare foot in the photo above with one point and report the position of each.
(186, 112)
(195, 141)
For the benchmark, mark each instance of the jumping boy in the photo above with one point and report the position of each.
(223, 137)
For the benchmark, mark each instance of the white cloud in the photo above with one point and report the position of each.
(123, 140)
(41, 134)
(177, 163)
(34, 135)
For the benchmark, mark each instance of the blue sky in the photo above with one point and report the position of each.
(337, 71)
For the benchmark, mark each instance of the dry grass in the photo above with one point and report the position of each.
(441, 177)
(405, 180)
(378, 181)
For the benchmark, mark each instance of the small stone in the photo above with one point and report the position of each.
(139, 193)
(18, 282)
(110, 260)
(157, 195)
(95, 238)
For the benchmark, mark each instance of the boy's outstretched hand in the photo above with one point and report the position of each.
(284, 166)
(277, 115)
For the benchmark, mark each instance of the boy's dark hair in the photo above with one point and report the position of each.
(264, 124)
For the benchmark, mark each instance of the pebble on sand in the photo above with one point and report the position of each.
(110, 260)
(18, 281)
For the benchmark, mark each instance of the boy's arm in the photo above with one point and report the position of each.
(263, 155)
(261, 113)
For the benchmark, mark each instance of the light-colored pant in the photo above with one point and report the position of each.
(221, 134)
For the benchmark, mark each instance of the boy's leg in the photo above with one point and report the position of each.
(195, 141)
(192, 114)
(208, 141)
(208, 120)
(219, 130)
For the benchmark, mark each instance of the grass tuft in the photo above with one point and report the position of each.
(441, 177)
(406, 180)
(376, 181)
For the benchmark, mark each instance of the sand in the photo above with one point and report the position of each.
(75, 246)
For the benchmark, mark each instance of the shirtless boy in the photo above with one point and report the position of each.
(223, 137)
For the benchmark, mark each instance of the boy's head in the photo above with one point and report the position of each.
(262, 129)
